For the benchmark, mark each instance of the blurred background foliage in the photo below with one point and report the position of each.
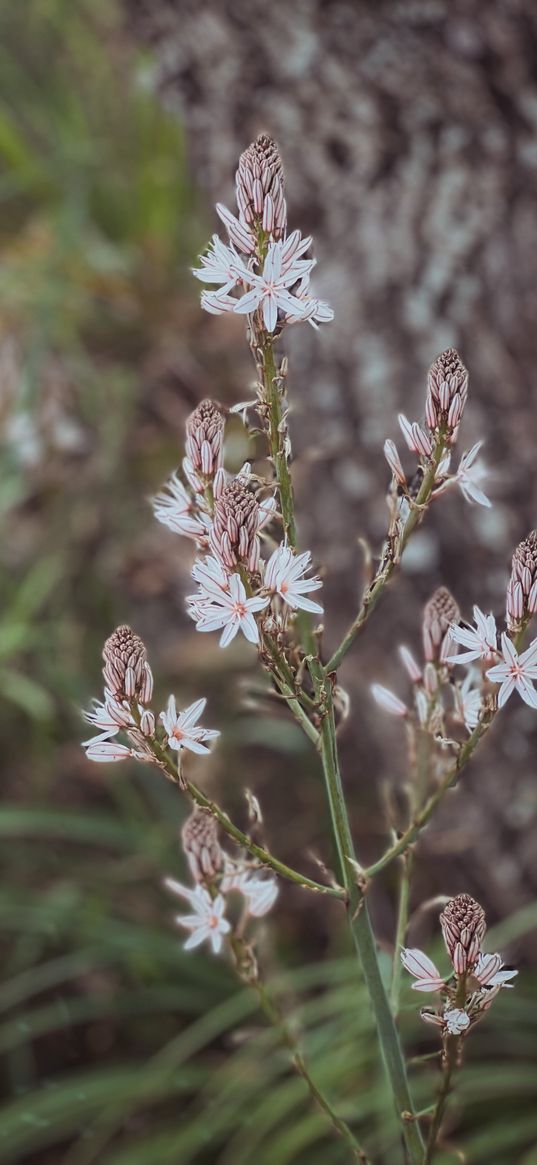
(117, 1048)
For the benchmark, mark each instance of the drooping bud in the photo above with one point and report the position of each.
(438, 615)
(259, 183)
(205, 438)
(463, 927)
(233, 535)
(447, 392)
(202, 848)
(522, 587)
(126, 671)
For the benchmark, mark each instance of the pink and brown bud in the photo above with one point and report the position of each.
(202, 848)
(233, 536)
(126, 671)
(463, 927)
(438, 615)
(522, 588)
(259, 183)
(447, 392)
(205, 438)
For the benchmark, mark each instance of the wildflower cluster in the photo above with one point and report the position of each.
(126, 709)
(475, 978)
(432, 441)
(249, 578)
(261, 269)
(217, 876)
(489, 658)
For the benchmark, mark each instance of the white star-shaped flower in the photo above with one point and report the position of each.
(469, 475)
(229, 609)
(220, 265)
(207, 920)
(480, 641)
(260, 892)
(515, 672)
(284, 574)
(105, 751)
(271, 289)
(468, 701)
(174, 508)
(182, 730)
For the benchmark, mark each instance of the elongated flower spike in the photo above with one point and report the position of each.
(202, 848)
(439, 614)
(126, 670)
(522, 588)
(205, 438)
(234, 532)
(447, 393)
(477, 977)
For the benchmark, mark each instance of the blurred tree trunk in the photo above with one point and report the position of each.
(409, 135)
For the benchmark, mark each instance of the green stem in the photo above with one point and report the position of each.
(358, 915)
(400, 934)
(376, 588)
(249, 972)
(439, 1111)
(426, 812)
(257, 851)
(364, 942)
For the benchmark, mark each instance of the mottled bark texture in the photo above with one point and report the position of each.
(409, 135)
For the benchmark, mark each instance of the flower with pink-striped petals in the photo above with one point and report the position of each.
(270, 290)
(515, 672)
(207, 921)
(175, 509)
(238, 232)
(417, 439)
(182, 730)
(284, 574)
(394, 461)
(105, 751)
(220, 265)
(426, 974)
(480, 642)
(229, 609)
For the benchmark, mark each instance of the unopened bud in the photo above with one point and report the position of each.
(201, 845)
(233, 536)
(126, 671)
(438, 615)
(463, 927)
(447, 392)
(522, 587)
(205, 438)
(259, 185)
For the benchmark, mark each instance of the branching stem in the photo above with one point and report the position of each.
(249, 972)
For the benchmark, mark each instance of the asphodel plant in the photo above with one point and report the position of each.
(252, 578)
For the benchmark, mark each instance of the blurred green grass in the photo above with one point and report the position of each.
(116, 1047)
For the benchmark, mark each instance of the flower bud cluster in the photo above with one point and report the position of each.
(522, 587)
(476, 978)
(216, 876)
(447, 393)
(205, 439)
(261, 262)
(259, 185)
(127, 694)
